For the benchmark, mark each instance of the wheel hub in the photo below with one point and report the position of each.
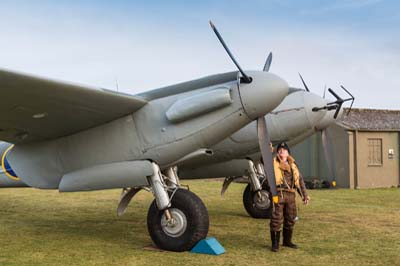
(177, 225)
(261, 200)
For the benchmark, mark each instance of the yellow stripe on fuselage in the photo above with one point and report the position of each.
(3, 157)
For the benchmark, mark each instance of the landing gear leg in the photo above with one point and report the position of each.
(172, 178)
(177, 219)
(256, 199)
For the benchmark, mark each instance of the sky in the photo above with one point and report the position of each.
(134, 46)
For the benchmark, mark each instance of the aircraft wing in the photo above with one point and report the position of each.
(36, 109)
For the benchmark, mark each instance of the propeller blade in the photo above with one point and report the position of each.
(339, 102)
(328, 153)
(263, 141)
(337, 111)
(305, 85)
(324, 91)
(245, 78)
(225, 185)
(338, 98)
(350, 99)
(126, 197)
(268, 63)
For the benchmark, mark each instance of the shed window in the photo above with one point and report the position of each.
(374, 151)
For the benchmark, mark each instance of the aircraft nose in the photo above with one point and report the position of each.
(263, 94)
(312, 100)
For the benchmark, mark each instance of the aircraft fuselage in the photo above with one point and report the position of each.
(148, 134)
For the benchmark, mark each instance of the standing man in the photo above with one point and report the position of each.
(288, 181)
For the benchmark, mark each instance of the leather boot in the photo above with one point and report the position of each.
(287, 238)
(275, 240)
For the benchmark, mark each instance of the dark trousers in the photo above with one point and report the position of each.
(284, 212)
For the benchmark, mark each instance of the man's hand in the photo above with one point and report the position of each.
(306, 200)
(271, 147)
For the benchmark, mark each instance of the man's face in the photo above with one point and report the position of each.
(283, 154)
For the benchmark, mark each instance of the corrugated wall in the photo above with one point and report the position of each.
(310, 156)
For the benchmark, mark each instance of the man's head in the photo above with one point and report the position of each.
(283, 150)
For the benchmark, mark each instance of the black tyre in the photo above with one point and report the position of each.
(191, 222)
(256, 208)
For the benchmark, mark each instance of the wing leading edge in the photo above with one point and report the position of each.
(36, 109)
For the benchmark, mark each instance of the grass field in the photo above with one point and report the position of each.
(340, 227)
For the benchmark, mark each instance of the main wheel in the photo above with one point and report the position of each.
(256, 206)
(189, 223)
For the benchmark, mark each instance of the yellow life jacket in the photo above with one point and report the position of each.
(279, 172)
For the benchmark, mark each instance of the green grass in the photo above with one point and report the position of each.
(340, 227)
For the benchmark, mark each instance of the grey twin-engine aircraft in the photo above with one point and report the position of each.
(75, 138)
(239, 155)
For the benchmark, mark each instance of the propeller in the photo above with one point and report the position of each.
(339, 101)
(336, 104)
(333, 105)
(262, 132)
(326, 144)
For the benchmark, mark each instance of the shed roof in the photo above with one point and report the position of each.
(371, 119)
